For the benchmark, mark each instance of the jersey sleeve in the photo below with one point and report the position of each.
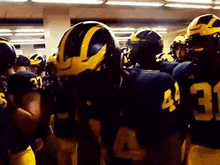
(22, 83)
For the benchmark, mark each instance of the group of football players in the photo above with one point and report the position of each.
(93, 102)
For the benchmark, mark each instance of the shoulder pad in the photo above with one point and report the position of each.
(183, 70)
(167, 66)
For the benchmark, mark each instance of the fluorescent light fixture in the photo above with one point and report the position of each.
(13, 1)
(122, 33)
(123, 29)
(98, 2)
(159, 29)
(5, 34)
(216, 7)
(132, 3)
(28, 41)
(122, 38)
(40, 49)
(161, 32)
(190, 1)
(29, 30)
(29, 34)
(5, 30)
(188, 6)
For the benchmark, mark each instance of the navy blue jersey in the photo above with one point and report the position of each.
(200, 90)
(65, 104)
(167, 66)
(162, 66)
(93, 97)
(4, 121)
(20, 84)
(151, 101)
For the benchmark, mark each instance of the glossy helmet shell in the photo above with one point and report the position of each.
(88, 45)
(144, 43)
(7, 55)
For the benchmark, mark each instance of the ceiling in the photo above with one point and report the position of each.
(30, 14)
(34, 10)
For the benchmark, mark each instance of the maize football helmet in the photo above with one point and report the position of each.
(203, 38)
(145, 44)
(52, 59)
(7, 55)
(38, 63)
(88, 45)
(178, 48)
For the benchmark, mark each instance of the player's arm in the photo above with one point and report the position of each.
(27, 116)
(95, 125)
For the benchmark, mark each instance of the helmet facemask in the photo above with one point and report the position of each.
(203, 49)
(144, 52)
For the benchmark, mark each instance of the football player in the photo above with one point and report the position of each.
(178, 48)
(144, 45)
(22, 64)
(45, 144)
(38, 63)
(25, 90)
(7, 59)
(89, 65)
(199, 84)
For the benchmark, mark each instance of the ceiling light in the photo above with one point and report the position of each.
(40, 49)
(190, 1)
(71, 1)
(123, 29)
(161, 32)
(28, 41)
(29, 30)
(188, 6)
(122, 33)
(5, 34)
(216, 7)
(129, 3)
(29, 34)
(122, 38)
(5, 30)
(159, 29)
(217, 2)
(14, 0)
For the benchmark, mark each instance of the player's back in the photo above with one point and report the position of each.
(146, 94)
(151, 101)
(200, 89)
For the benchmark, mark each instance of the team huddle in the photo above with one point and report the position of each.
(106, 105)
